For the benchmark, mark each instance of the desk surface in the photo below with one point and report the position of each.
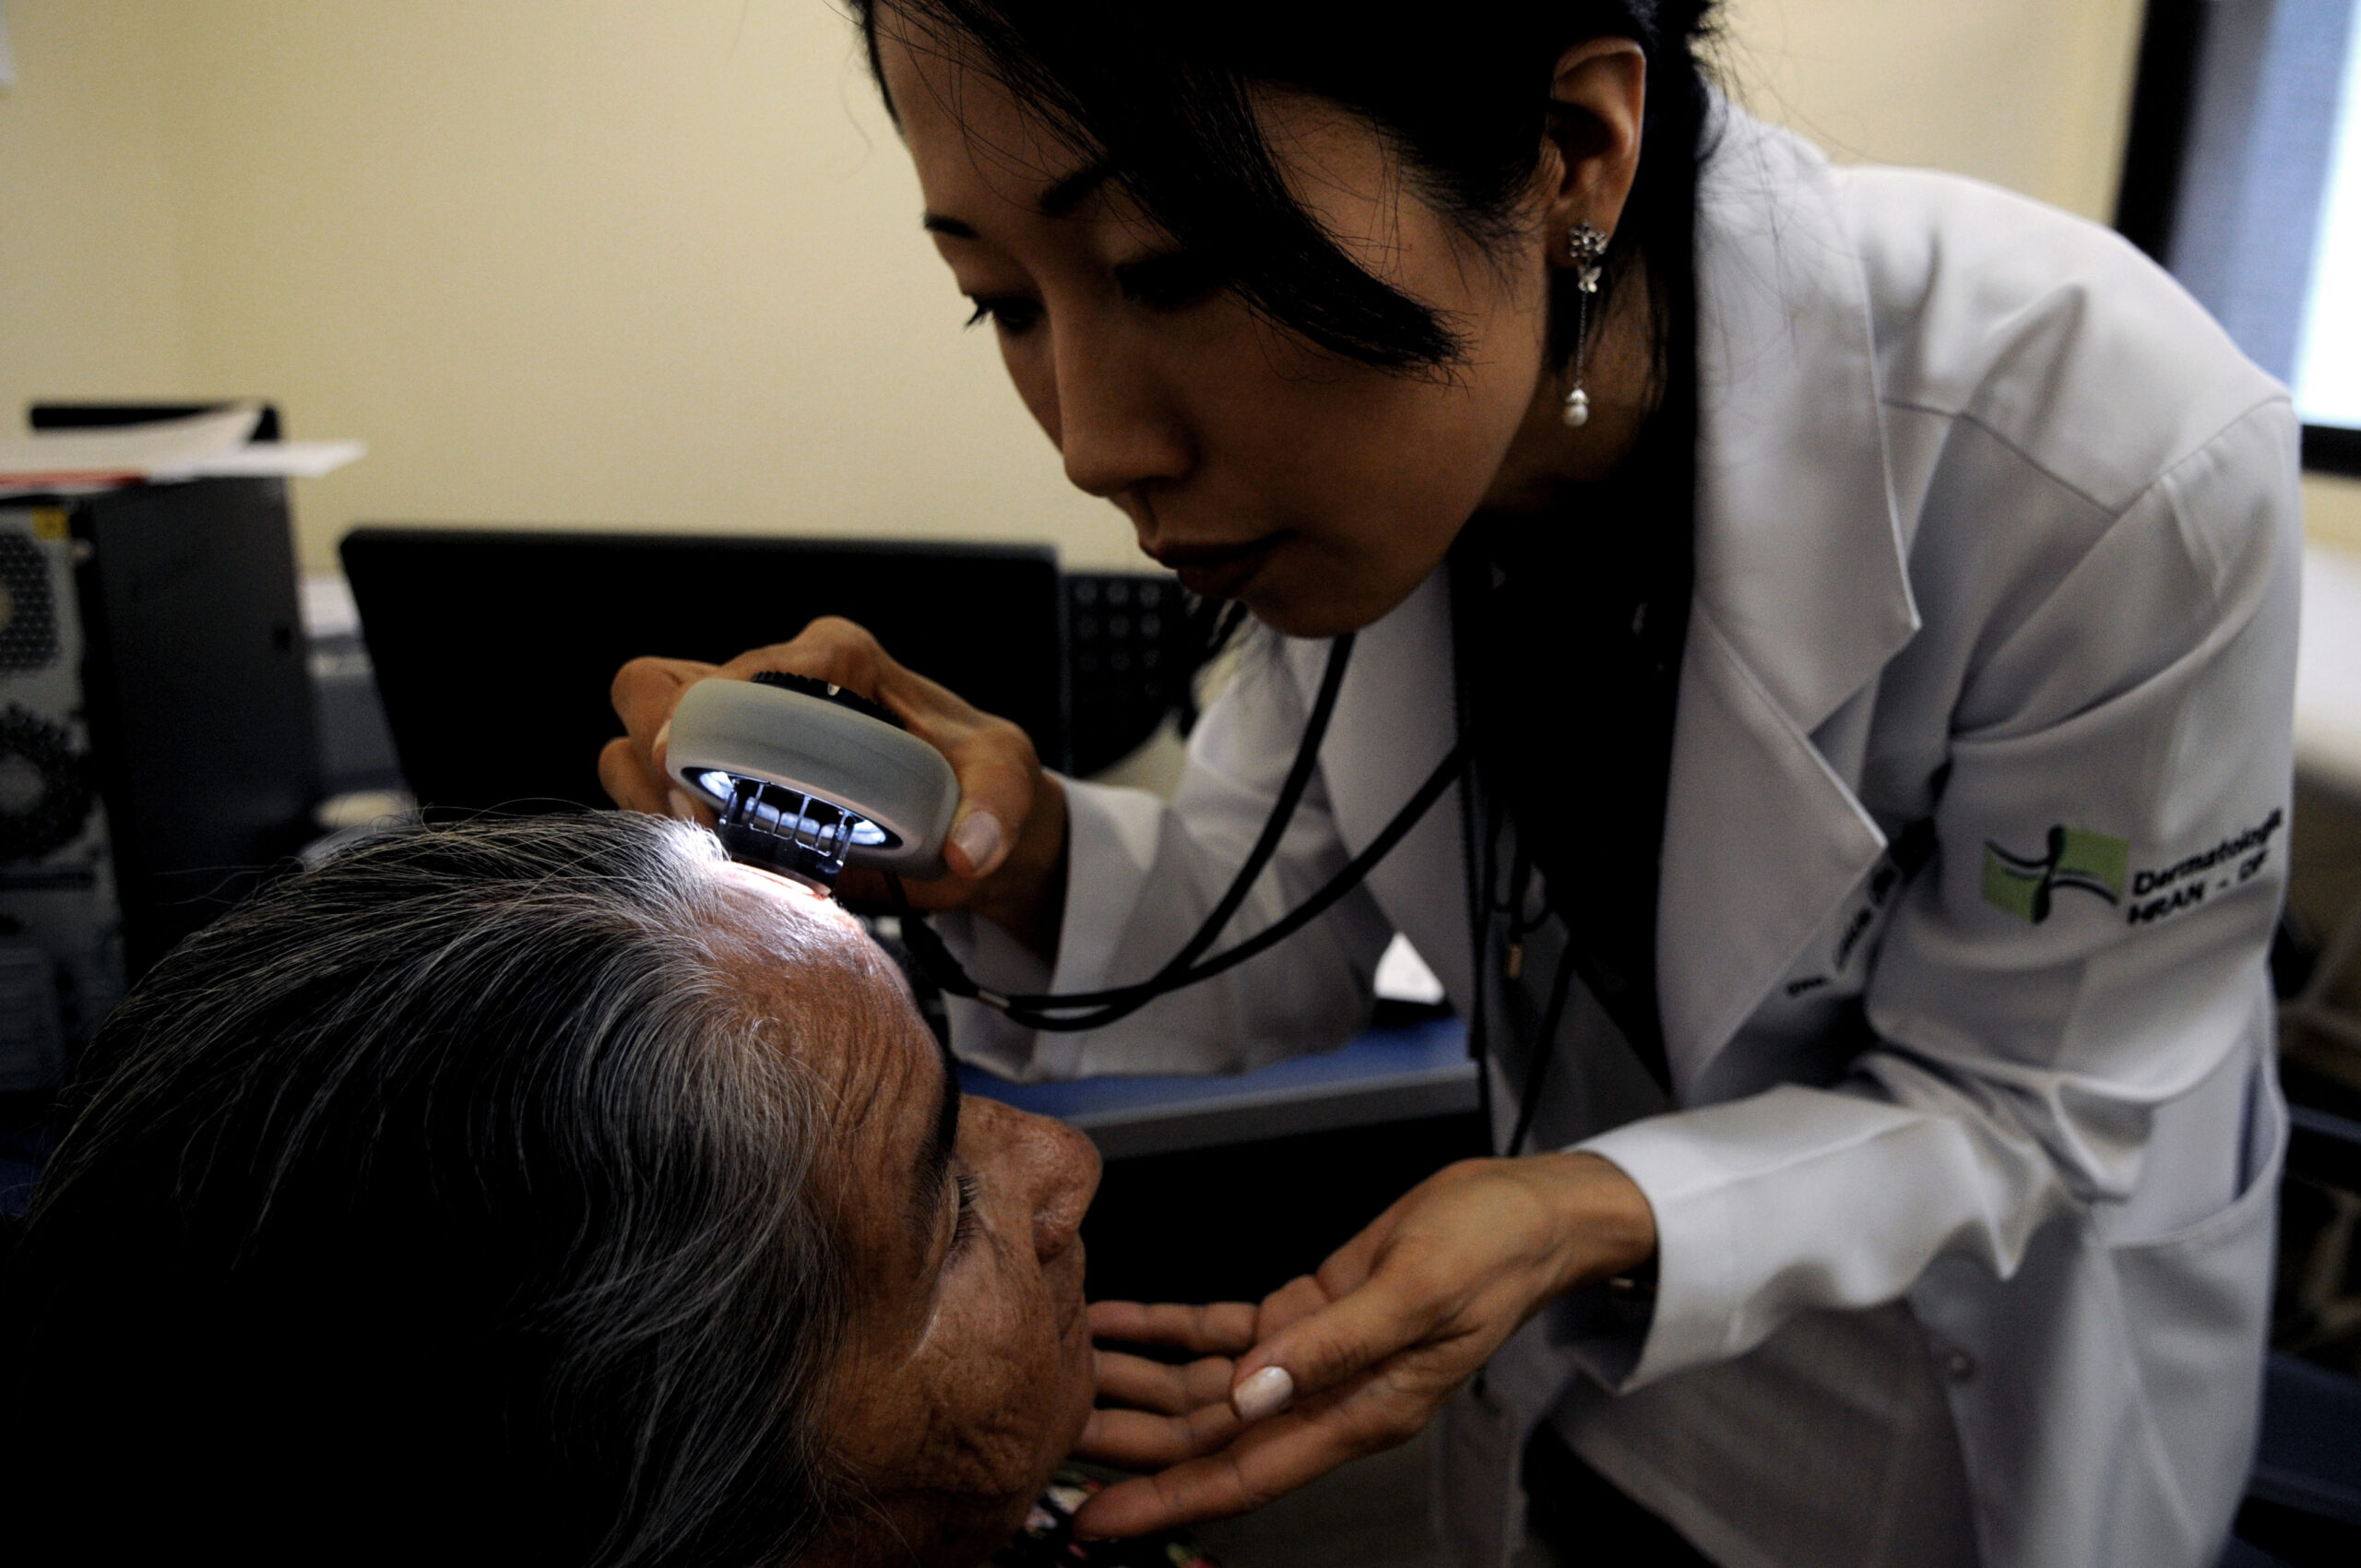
(1388, 1074)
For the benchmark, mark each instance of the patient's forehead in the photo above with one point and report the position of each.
(845, 1012)
(802, 953)
(767, 897)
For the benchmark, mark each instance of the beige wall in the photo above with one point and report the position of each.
(2332, 511)
(2031, 94)
(91, 301)
(656, 264)
(590, 261)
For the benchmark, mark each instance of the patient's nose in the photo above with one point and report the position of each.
(1069, 1181)
(1054, 1167)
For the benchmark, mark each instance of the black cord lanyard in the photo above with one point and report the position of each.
(1483, 902)
(1074, 1011)
(1480, 830)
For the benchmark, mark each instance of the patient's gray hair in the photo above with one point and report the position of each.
(456, 1184)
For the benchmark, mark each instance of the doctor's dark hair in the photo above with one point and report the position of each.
(447, 1202)
(1160, 92)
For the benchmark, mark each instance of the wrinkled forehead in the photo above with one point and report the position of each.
(841, 1007)
(805, 956)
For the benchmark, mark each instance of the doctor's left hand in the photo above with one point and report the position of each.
(1357, 1358)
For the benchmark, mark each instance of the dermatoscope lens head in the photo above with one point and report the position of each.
(786, 831)
(805, 776)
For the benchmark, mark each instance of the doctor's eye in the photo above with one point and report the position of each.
(1171, 281)
(1010, 313)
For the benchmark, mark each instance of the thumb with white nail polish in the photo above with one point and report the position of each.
(979, 837)
(1263, 1395)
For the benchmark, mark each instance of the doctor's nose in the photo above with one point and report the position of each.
(1117, 429)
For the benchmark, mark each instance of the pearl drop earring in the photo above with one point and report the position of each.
(1586, 249)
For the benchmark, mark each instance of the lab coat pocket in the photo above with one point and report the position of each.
(2196, 1303)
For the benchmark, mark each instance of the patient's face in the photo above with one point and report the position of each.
(968, 1375)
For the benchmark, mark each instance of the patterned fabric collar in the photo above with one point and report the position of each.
(1046, 1540)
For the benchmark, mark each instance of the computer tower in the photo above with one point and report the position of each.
(156, 740)
(198, 696)
(61, 925)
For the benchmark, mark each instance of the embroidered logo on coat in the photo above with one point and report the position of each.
(2078, 859)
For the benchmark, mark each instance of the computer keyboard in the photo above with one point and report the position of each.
(1128, 659)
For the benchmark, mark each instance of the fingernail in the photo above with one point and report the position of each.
(977, 839)
(1264, 1395)
(685, 807)
(663, 738)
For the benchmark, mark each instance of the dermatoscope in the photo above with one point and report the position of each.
(810, 778)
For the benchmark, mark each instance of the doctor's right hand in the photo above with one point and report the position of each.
(1007, 851)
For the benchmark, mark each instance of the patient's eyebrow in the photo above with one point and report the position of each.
(935, 1163)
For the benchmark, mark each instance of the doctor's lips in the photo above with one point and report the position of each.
(1216, 571)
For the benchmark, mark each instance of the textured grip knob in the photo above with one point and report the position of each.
(843, 696)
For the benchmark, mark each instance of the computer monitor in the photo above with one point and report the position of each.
(494, 651)
(2243, 176)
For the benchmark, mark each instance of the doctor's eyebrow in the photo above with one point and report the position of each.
(1058, 201)
(1063, 197)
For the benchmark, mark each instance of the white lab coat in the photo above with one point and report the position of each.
(1997, 532)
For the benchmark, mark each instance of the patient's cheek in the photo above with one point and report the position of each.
(962, 1392)
(957, 1442)
(997, 1397)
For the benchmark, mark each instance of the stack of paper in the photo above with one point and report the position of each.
(214, 446)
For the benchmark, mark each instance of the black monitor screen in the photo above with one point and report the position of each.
(494, 651)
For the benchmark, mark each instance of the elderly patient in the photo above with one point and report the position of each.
(541, 1192)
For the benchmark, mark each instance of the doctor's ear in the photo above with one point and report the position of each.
(1598, 99)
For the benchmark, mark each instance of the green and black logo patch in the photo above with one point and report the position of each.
(2100, 866)
(2077, 859)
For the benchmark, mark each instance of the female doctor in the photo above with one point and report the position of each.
(1868, 601)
